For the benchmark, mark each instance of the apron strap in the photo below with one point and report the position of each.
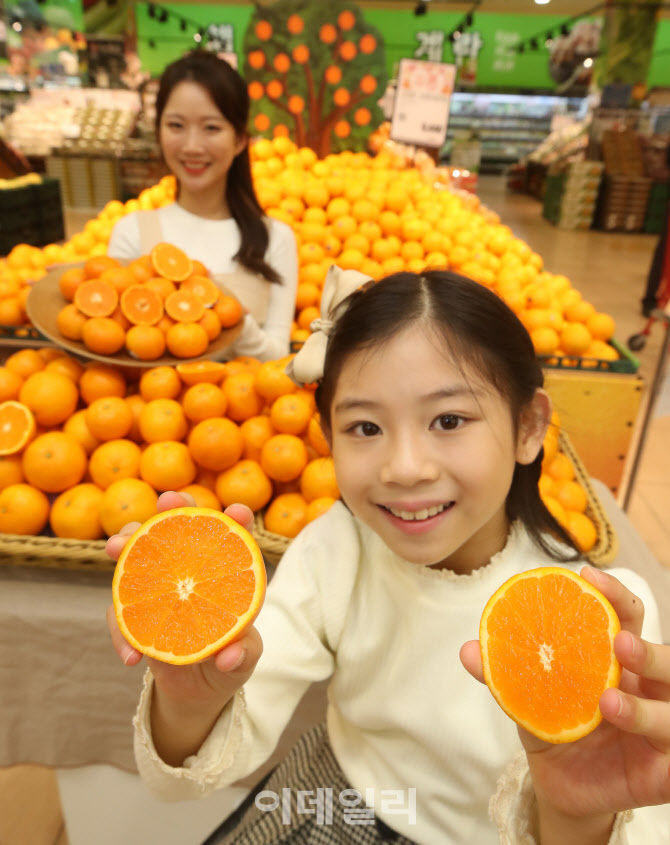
(252, 290)
(151, 232)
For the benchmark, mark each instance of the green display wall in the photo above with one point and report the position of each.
(487, 49)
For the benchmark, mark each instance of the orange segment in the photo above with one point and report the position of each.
(171, 262)
(188, 582)
(546, 639)
(17, 426)
(96, 298)
(141, 305)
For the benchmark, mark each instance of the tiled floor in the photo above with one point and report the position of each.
(610, 271)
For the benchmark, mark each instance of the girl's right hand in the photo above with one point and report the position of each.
(220, 675)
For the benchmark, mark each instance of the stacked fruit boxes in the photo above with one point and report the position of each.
(570, 196)
(625, 188)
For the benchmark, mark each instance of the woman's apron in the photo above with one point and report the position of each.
(252, 290)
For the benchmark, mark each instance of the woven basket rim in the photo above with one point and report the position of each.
(607, 545)
(65, 553)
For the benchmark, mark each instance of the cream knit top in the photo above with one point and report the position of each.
(402, 711)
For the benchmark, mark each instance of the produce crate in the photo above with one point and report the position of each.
(623, 203)
(627, 362)
(139, 171)
(88, 181)
(31, 214)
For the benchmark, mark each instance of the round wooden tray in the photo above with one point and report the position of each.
(45, 301)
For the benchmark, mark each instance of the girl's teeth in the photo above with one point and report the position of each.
(418, 515)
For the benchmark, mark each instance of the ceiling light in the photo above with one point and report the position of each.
(541, 2)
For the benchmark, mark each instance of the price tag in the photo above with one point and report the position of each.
(422, 101)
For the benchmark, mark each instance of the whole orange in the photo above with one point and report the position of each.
(23, 509)
(114, 460)
(54, 461)
(76, 513)
(162, 419)
(109, 418)
(318, 479)
(101, 380)
(286, 514)
(244, 483)
(167, 465)
(128, 500)
(52, 397)
(283, 457)
(216, 443)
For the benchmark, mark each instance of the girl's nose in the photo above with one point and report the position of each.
(407, 462)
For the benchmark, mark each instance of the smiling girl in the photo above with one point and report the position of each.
(431, 397)
(202, 109)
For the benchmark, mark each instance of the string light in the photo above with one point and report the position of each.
(161, 14)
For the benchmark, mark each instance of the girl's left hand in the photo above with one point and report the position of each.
(625, 762)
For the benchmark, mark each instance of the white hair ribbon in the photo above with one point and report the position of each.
(307, 365)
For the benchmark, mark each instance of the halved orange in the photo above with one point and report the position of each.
(17, 426)
(96, 298)
(195, 372)
(203, 287)
(184, 306)
(141, 305)
(546, 639)
(188, 582)
(170, 261)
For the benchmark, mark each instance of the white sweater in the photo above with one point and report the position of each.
(402, 711)
(215, 242)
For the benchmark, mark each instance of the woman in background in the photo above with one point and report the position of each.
(202, 108)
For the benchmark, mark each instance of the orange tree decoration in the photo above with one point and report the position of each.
(315, 72)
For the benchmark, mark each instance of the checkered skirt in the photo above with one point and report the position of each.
(310, 766)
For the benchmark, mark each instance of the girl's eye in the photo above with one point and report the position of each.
(213, 128)
(448, 422)
(364, 429)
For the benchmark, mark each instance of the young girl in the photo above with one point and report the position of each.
(202, 108)
(431, 397)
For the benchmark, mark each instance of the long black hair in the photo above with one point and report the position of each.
(229, 92)
(479, 329)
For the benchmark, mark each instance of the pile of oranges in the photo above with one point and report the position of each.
(374, 214)
(160, 301)
(562, 492)
(103, 446)
(378, 216)
(85, 449)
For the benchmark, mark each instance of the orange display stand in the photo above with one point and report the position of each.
(598, 411)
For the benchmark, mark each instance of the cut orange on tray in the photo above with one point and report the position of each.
(195, 372)
(17, 426)
(188, 582)
(170, 261)
(546, 639)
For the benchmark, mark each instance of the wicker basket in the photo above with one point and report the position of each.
(58, 553)
(272, 545)
(54, 553)
(89, 555)
(607, 544)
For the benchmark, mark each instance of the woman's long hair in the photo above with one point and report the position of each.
(229, 92)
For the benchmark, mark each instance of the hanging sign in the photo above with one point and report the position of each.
(422, 100)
